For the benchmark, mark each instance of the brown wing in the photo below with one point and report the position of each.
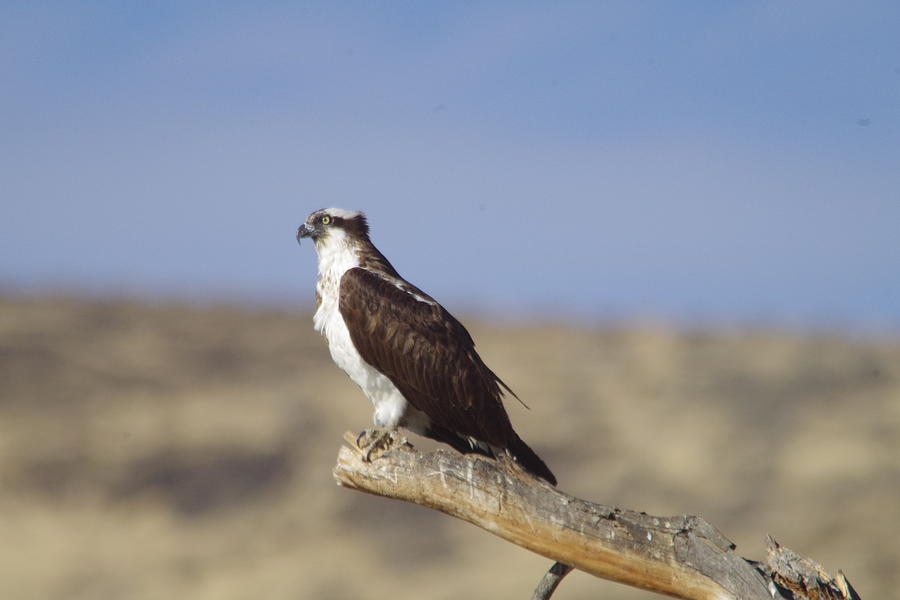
(427, 354)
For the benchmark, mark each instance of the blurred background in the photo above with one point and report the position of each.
(672, 229)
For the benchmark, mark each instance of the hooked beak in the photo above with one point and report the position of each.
(304, 231)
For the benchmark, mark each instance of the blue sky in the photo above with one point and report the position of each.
(694, 162)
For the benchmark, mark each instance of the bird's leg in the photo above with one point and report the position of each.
(378, 440)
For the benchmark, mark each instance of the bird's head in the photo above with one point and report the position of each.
(329, 223)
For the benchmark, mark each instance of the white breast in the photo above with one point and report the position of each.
(336, 256)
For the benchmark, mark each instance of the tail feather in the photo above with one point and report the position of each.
(457, 442)
(530, 461)
(517, 449)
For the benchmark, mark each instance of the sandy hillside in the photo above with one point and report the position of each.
(169, 451)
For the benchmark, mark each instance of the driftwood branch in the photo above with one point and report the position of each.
(682, 556)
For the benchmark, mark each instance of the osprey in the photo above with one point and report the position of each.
(412, 358)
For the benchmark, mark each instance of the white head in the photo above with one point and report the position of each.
(338, 235)
(327, 225)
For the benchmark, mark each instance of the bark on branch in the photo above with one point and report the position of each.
(682, 556)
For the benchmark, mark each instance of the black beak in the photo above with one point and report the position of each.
(303, 231)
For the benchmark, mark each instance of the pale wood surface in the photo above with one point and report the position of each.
(682, 556)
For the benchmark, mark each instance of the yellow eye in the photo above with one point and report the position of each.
(326, 220)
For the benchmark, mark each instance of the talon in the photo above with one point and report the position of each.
(372, 442)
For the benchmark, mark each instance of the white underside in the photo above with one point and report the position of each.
(391, 408)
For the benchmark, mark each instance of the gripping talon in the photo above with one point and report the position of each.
(376, 440)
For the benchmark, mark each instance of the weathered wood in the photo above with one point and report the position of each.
(801, 577)
(682, 556)
(549, 582)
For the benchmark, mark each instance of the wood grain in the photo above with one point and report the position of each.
(681, 556)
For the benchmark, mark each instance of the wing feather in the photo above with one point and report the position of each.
(426, 353)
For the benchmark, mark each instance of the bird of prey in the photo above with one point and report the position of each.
(414, 361)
